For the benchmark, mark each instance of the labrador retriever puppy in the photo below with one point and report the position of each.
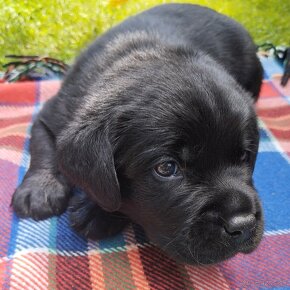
(155, 123)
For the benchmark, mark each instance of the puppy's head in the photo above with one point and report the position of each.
(171, 141)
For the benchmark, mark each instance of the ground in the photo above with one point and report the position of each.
(60, 28)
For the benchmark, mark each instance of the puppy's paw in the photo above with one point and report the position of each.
(40, 196)
(92, 221)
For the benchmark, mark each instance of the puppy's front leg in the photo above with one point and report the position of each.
(90, 220)
(44, 192)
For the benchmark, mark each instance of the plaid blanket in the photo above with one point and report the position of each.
(49, 255)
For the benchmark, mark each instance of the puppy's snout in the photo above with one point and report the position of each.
(240, 227)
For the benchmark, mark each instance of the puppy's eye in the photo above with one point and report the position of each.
(166, 169)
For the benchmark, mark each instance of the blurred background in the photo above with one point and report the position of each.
(61, 28)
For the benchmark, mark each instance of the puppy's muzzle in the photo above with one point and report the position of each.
(233, 218)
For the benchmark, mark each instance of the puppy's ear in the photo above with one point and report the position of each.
(85, 156)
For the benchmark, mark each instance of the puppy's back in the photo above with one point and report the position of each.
(197, 28)
(203, 29)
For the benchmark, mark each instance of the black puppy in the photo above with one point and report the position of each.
(155, 122)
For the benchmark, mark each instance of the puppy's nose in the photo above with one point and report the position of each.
(240, 227)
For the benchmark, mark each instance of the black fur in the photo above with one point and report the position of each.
(176, 82)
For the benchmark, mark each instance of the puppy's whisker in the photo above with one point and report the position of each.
(170, 242)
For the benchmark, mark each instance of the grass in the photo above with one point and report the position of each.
(61, 28)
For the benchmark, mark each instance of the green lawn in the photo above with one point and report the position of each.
(60, 28)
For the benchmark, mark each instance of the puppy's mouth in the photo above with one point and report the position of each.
(190, 254)
(209, 249)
